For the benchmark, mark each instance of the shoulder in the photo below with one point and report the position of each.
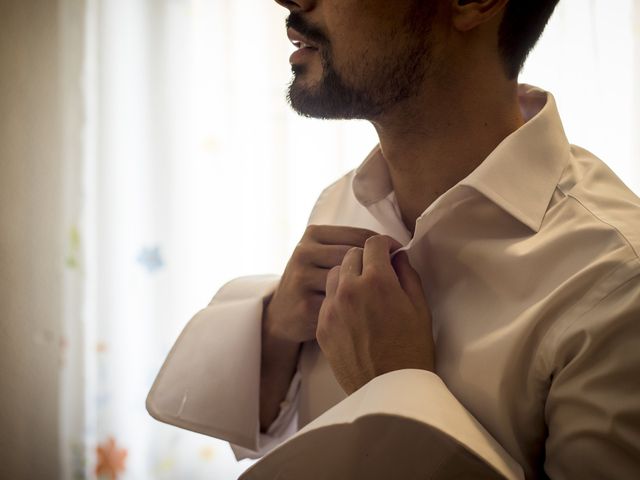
(601, 200)
(596, 219)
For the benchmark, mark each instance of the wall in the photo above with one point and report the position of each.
(31, 238)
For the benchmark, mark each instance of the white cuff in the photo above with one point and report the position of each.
(285, 425)
(402, 424)
(210, 381)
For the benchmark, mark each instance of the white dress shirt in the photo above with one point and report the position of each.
(530, 268)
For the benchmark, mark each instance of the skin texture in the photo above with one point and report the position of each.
(426, 74)
(459, 91)
(375, 318)
(291, 315)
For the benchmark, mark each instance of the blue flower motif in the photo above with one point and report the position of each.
(150, 258)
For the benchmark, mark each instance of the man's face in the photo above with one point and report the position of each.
(372, 55)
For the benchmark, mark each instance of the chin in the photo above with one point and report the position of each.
(306, 99)
(330, 97)
(321, 103)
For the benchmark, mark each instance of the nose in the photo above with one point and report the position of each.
(296, 5)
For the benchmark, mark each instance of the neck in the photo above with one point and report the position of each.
(437, 140)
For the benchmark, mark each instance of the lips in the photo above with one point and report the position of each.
(299, 40)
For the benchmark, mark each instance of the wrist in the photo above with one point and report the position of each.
(271, 335)
(278, 352)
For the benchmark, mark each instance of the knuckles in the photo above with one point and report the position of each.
(375, 279)
(361, 289)
(354, 251)
(334, 271)
(377, 239)
(311, 231)
(298, 277)
(347, 292)
(328, 316)
(302, 253)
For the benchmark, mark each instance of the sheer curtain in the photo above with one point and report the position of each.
(192, 170)
(589, 57)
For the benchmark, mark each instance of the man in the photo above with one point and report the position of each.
(474, 250)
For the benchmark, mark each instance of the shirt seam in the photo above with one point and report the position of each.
(617, 230)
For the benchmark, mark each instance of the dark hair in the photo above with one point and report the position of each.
(521, 27)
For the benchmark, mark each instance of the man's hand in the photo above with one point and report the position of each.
(292, 312)
(375, 318)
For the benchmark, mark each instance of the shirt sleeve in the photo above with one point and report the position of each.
(405, 410)
(284, 426)
(593, 406)
(210, 381)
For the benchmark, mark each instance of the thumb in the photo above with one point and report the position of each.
(409, 279)
(393, 243)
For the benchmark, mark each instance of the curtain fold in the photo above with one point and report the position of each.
(186, 168)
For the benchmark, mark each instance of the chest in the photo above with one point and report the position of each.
(485, 323)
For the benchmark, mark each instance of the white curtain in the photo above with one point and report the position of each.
(589, 57)
(193, 170)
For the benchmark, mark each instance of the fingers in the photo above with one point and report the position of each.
(393, 243)
(332, 282)
(409, 279)
(352, 263)
(338, 235)
(315, 279)
(339, 240)
(376, 254)
(328, 256)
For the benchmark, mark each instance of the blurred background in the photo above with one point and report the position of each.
(148, 156)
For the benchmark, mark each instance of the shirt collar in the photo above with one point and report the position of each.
(519, 175)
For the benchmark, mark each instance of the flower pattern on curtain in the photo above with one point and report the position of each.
(195, 171)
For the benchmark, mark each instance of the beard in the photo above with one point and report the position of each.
(378, 81)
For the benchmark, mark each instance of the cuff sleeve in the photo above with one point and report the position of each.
(210, 381)
(408, 412)
(285, 425)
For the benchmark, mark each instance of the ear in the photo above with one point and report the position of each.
(468, 14)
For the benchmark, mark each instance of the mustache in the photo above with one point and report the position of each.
(315, 35)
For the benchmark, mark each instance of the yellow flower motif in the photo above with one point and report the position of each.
(207, 453)
(166, 465)
(73, 256)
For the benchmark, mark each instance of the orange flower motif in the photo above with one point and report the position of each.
(110, 459)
